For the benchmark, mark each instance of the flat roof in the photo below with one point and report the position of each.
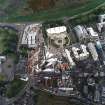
(56, 30)
(92, 32)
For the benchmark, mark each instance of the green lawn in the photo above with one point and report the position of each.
(57, 13)
(15, 87)
(8, 40)
(11, 7)
(2, 77)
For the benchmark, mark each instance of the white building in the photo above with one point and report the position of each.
(93, 51)
(92, 33)
(103, 91)
(101, 23)
(49, 55)
(51, 61)
(58, 35)
(81, 32)
(24, 78)
(69, 58)
(99, 47)
(80, 53)
(101, 18)
(100, 26)
(49, 70)
(2, 58)
(29, 35)
(56, 30)
(97, 94)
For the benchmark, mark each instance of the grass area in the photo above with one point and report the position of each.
(2, 2)
(23, 51)
(57, 13)
(2, 77)
(6, 10)
(15, 87)
(8, 40)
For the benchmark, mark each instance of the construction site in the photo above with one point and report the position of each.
(71, 69)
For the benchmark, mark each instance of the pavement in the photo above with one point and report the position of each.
(3, 101)
(8, 69)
